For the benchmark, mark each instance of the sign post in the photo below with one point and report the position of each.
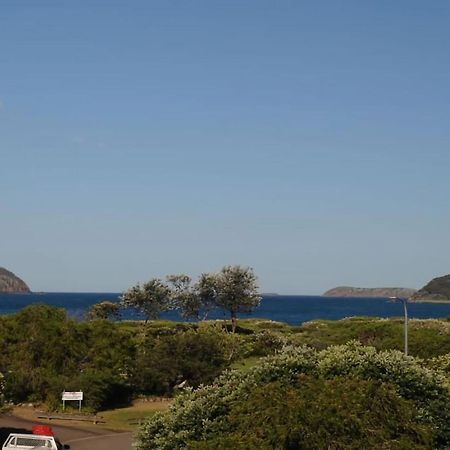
(72, 396)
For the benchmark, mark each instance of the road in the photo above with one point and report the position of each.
(77, 438)
(113, 441)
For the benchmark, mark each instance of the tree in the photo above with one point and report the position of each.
(194, 356)
(151, 299)
(183, 295)
(206, 290)
(235, 290)
(103, 310)
(195, 301)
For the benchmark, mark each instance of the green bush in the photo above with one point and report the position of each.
(204, 414)
(427, 338)
(44, 353)
(441, 363)
(313, 413)
(265, 343)
(102, 389)
(193, 356)
(2, 388)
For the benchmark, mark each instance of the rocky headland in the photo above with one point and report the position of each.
(350, 291)
(437, 290)
(11, 283)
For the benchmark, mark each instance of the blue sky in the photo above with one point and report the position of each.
(309, 140)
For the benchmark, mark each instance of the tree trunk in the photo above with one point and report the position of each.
(233, 322)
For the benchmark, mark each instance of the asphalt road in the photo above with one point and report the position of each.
(77, 438)
(114, 441)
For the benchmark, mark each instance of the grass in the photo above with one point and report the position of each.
(128, 418)
(244, 365)
(116, 419)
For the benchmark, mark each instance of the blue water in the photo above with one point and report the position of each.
(292, 309)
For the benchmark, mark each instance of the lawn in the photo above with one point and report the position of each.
(129, 418)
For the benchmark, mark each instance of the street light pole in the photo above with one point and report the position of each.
(405, 310)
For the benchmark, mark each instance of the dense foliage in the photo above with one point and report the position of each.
(315, 413)
(151, 299)
(427, 337)
(207, 414)
(2, 387)
(189, 357)
(44, 353)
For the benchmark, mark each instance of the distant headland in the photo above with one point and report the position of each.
(10, 283)
(349, 291)
(437, 290)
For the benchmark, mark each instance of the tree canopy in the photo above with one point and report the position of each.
(234, 289)
(103, 310)
(151, 299)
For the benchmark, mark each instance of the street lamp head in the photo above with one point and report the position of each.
(399, 299)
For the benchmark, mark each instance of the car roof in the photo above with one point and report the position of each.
(30, 435)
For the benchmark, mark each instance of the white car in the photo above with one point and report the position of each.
(32, 442)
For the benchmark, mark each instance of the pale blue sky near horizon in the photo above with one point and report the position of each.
(308, 140)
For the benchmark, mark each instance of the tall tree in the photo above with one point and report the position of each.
(194, 301)
(206, 290)
(103, 310)
(183, 295)
(151, 299)
(236, 291)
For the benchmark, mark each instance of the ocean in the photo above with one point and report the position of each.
(292, 309)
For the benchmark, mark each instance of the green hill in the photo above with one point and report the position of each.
(438, 289)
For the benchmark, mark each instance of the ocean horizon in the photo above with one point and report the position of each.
(291, 309)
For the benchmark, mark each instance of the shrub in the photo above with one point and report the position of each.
(314, 413)
(102, 389)
(194, 355)
(203, 414)
(441, 362)
(2, 387)
(427, 338)
(266, 342)
(44, 353)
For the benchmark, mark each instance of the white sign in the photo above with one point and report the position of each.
(72, 395)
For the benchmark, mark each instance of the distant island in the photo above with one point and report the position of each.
(10, 283)
(349, 291)
(437, 290)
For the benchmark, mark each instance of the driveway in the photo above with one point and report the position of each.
(77, 438)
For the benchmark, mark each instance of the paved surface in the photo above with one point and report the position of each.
(115, 441)
(77, 438)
